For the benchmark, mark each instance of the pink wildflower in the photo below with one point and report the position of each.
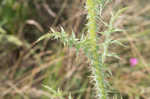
(133, 61)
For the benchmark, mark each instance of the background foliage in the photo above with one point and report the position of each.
(24, 67)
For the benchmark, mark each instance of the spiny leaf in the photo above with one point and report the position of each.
(117, 42)
(114, 17)
(50, 89)
(48, 35)
(113, 55)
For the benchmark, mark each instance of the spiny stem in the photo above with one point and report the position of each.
(97, 71)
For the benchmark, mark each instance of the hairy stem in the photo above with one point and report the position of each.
(97, 67)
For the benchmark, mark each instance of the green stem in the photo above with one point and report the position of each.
(97, 65)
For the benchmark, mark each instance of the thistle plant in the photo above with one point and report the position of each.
(89, 43)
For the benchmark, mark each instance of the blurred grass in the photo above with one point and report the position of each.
(24, 68)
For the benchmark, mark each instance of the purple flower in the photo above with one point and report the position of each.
(133, 61)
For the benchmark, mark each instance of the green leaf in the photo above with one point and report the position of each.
(114, 17)
(48, 35)
(113, 55)
(118, 42)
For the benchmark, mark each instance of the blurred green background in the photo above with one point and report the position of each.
(24, 67)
